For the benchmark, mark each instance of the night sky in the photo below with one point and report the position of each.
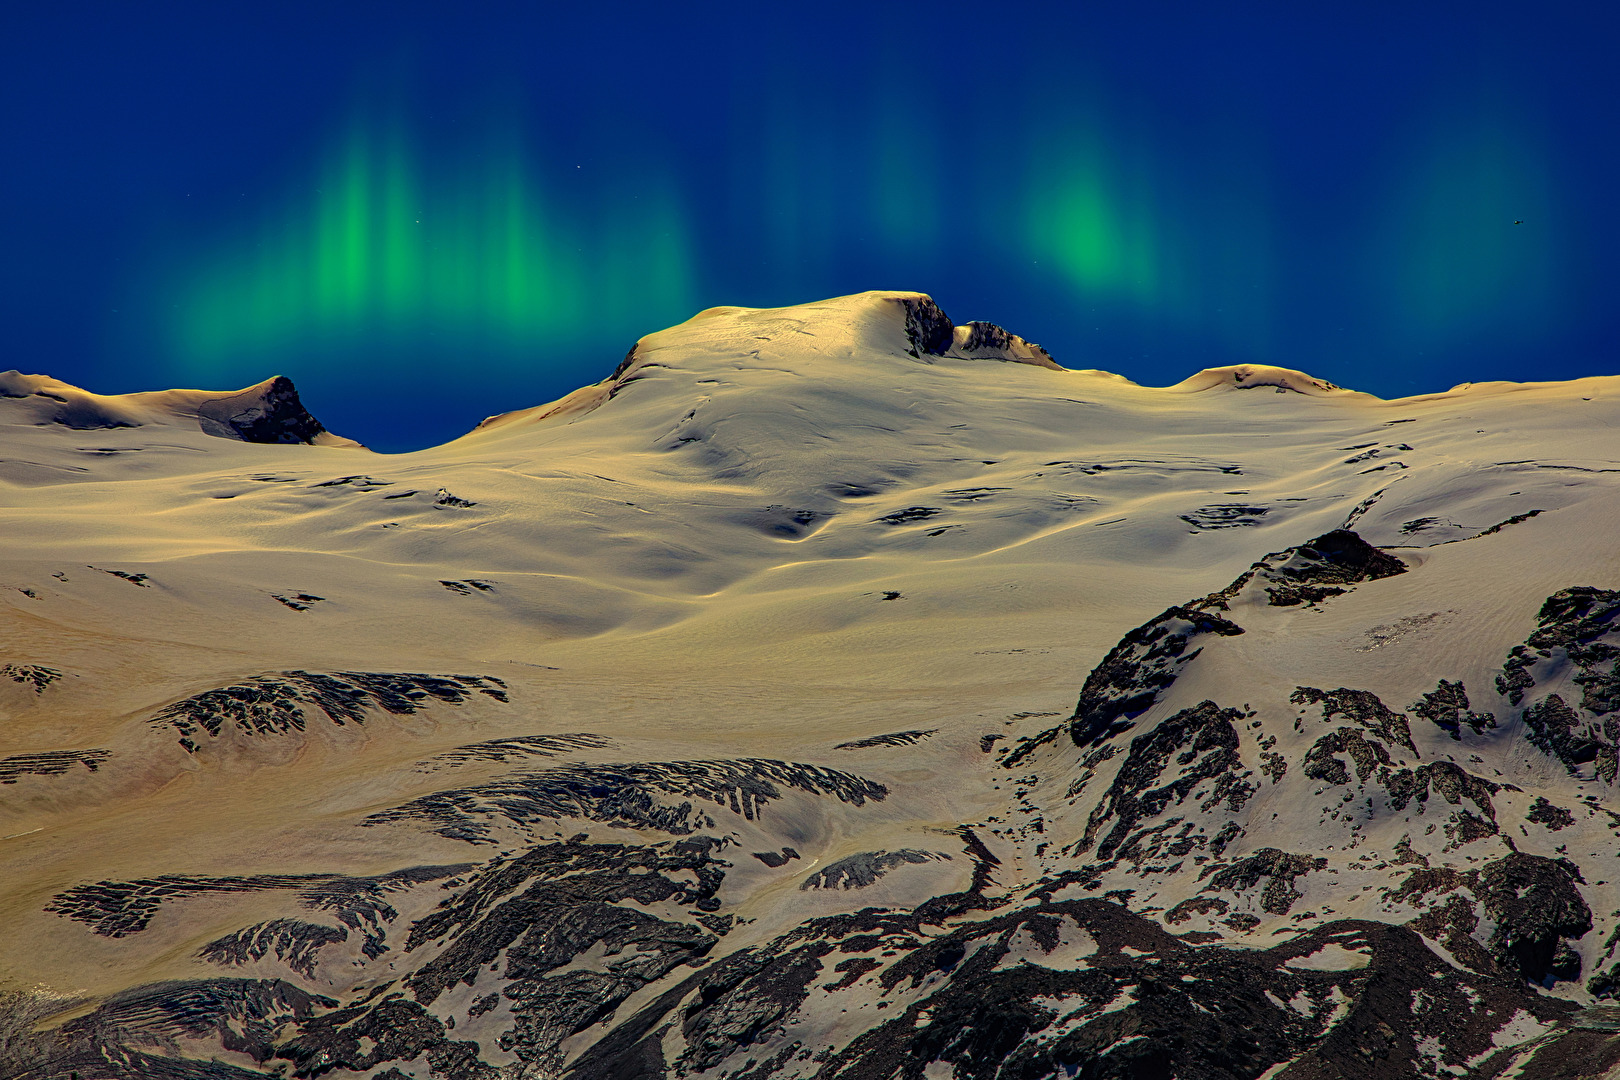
(425, 214)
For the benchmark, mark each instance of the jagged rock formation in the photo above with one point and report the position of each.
(267, 413)
(36, 675)
(50, 763)
(864, 868)
(275, 704)
(1575, 631)
(896, 738)
(117, 908)
(620, 794)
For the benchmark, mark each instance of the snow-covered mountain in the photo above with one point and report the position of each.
(832, 691)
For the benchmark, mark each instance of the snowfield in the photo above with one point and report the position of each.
(833, 691)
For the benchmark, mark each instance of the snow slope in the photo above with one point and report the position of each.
(831, 690)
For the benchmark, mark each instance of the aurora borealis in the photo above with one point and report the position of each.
(387, 249)
(424, 218)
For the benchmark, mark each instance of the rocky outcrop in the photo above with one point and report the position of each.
(36, 675)
(897, 738)
(117, 908)
(517, 748)
(1137, 670)
(276, 704)
(1564, 677)
(864, 868)
(1164, 766)
(270, 412)
(1148, 660)
(294, 942)
(1446, 707)
(49, 763)
(927, 328)
(622, 795)
(1361, 706)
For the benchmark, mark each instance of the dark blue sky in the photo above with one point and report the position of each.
(425, 215)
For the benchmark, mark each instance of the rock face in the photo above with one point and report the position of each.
(267, 413)
(277, 704)
(815, 699)
(1574, 648)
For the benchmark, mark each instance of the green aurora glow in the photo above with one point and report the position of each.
(395, 256)
(387, 249)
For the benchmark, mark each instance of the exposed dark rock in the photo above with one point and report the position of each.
(1576, 620)
(977, 336)
(296, 944)
(1226, 516)
(1197, 905)
(118, 908)
(741, 999)
(910, 514)
(1203, 742)
(1361, 706)
(927, 327)
(1551, 817)
(37, 675)
(898, 738)
(1452, 924)
(362, 1037)
(624, 365)
(1560, 731)
(112, 1041)
(474, 584)
(1446, 707)
(275, 704)
(1366, 754)
(49, 763)
(1450, 780)
(542, 909)
(1148, 660)
(1514, 520)
(1575, 629)
(298, 601)
(1137, 670)
(1605, 985)
(1536, 906)
(774, 859)
(516, 749)
(358, 482)
(864, 868)
(622, 794)
(1532, 901)
(267, 413)
(1326, 566)
(1279, 868)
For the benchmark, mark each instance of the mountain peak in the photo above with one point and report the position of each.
(267, 412)
(877, 324)
(896, 322)
(1253, 376)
